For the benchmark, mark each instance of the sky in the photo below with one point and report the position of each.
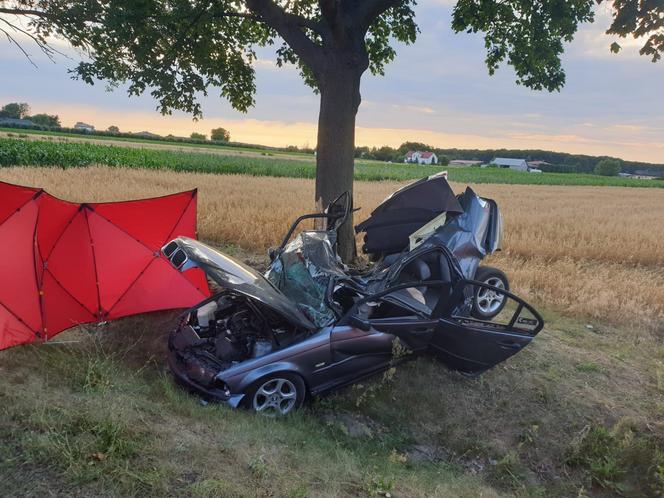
(437, 91)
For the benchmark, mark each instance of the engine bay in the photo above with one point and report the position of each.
(226, 331)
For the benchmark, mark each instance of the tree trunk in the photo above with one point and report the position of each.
(339, 101)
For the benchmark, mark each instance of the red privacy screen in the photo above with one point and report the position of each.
(64, 264)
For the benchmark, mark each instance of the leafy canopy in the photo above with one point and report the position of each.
(50, 120)
(178, 49)
(220, 134)
(15, 110)
(608, 167)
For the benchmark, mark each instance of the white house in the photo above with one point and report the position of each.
(515, 164)
(420, 157)
(84, 127)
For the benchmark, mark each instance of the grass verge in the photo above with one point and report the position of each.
(100, 416)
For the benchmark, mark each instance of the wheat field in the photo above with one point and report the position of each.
(594, 253)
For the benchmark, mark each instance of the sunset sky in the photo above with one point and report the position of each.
(437, 91)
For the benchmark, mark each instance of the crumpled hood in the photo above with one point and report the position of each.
(233, 275)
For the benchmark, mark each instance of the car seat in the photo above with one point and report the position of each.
(429, 266)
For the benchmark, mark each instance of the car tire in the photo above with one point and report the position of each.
(276, 394)
(485, 307)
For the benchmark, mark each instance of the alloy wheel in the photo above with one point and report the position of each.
(489, 301)
(277, 396)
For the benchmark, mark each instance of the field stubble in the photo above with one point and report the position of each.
(594, 253)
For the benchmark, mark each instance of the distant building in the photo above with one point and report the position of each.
(646, 174)
(538, 164)
(465, 162)
(84, 127)
(515, 164)
(421, 157)
(637, 176)
(15, 122)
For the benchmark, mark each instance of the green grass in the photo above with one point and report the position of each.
(589, 367)
(141, 435)
(16, 152)
(100, 416)
(238, 148)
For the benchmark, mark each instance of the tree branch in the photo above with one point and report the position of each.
(11, 40)
(329, 9)
(43, 46)
(26, 12)
(366, 11)
(289, 26)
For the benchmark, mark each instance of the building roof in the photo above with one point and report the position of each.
(537, 163)
(410, 153)
(508, 161)
(426, 154)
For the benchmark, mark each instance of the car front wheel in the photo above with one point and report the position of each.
(277, 394)
(488, 303)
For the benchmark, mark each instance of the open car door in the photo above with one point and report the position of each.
(406, 311)
(448, 330)
(472, 345)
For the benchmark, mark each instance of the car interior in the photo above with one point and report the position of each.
(430, 266)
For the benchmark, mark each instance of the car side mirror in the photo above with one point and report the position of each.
(359, 323)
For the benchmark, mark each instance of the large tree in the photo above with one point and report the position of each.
(178, 49)
(15, 110)
(50, 120)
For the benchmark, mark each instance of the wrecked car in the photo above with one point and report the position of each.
(310, 324)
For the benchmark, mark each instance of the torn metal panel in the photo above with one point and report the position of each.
(405, 211)
(466, 234)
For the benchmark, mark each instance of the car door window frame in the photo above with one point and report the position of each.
(457, 298)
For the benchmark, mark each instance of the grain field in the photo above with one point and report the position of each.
(594, 253)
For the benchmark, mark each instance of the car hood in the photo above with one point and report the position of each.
(235, 276)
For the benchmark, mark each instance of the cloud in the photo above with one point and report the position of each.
(414, 108)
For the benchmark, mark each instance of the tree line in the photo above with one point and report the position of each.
(559, 162)
(48, 122)
(15, 110)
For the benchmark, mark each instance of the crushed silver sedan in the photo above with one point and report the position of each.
(310, 324)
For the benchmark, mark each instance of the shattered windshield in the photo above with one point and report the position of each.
(304, 272)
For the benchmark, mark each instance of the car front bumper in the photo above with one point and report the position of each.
(218, 395)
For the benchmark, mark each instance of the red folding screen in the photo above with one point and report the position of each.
(63, 264)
